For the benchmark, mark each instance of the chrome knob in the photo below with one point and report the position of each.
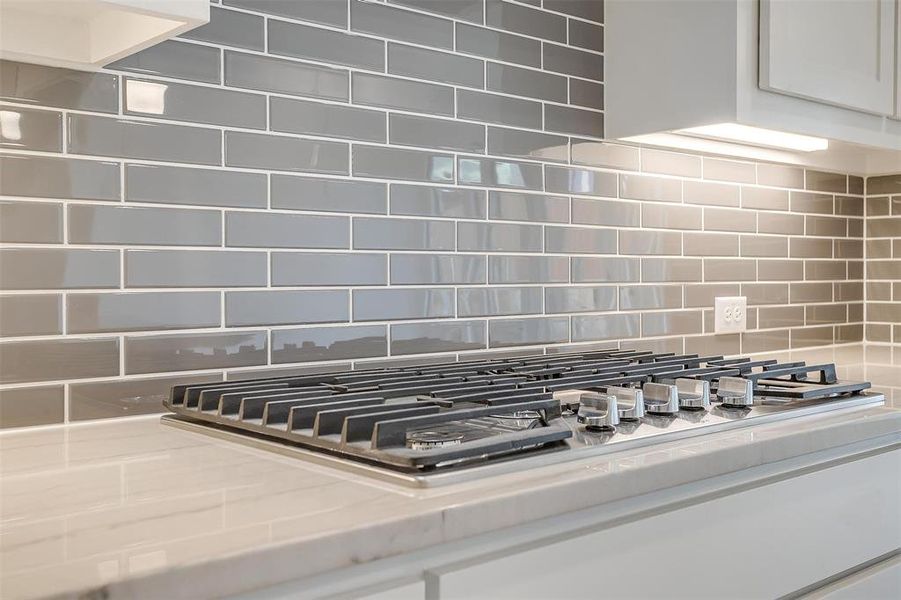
(735, 391)
(629, 402)
(694, 394)
(660, 398)
(598, 411)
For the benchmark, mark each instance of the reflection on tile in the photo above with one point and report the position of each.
(515, 206)
(729, 170)
(450, 336)
(260, 151)
(528, 269)
(498, 301)
(606, 212)
(47, 177)
(567, 180)
(499, 173)
(703, 295)
(826, 182)
(93, 224)
(285, 307)
(640, 241)
(207, 187)
(604, 269)
(327, 12)
(494, 237)
(780, 223)
(446, 269)
(727, 269)
(300, 268)
(194, 103)
(885, 184)
(58, 268)
(26, 129)
(646, 187)
(155, 141)
(604, 327)
(437, 66)
(324, 45)
(391, 304)
(125, 397)
(397, 163)
(492, 108)
(811, 336)
(403, 94)
(522, 19)
(670, 217)
(527, 144)
(194, 268)
(402, 234)
(276, 230)
(399, 24)
(490, 43)
(328, 195)
(639, 297)
(328, 343)
(678, 322)
(31, 222)
(101, 313)
(467, 10)
(174, 59)
(673, 269)
(517, 81)
(764, 341)
(25, 407)
(729, 219)
(580, 240)
(603, 154)
(430, 201)
(28, 314)
(284, 76)
(63, 88)
(537, 330)
(780, 176)
(709, 244)
(230, 28)
(50, 360)
(408, 130)
(190, 351)
(579, 299)
(708, 192)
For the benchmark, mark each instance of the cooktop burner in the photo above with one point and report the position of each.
(438, 418)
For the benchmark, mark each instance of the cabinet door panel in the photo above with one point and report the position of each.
(838, 52)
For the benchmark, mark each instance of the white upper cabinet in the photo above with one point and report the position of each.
(840, 52)
(89, 34)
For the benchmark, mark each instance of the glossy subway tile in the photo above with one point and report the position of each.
(324, 45)
(194, 268)
(30, 406)
(420, 338)
(438, 269)
(30, 314)
(530, 83)
(399, 24)
(60, 88)
(580, 240)
(331, 120)
(516, 206)
(403, 94)
(500, 45)
(292, 192)
(193, 103)
(327, 12)
(320, 269)
(52, 177)
(402, 234)
(575, 299)
(272, 230)
(528, 269)
(31, 222)
(522, 19)
(203, 187)
(443, 67)
(230, 28)
(467, 10)
(136, 225)
(58, 268)
(33, 130)
(494, 108)
(527, 144)
(409, 130)
(194, 351)
(126, 397)
(431, 201)
(58, 359)
(270, 152)
(175, 59)
(499, 237)
(534, 330)
(250, 71)
(285, 307)
(498, 301)
(493, 172)
(398, 163)
(393, 304)
(143, 311)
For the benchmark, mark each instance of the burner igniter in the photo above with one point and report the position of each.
(735, 391)
(629, 402)
(597, 411)
(694, 394)
(428, 440)
(661, 398)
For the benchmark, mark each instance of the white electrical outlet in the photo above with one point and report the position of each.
(731, 314)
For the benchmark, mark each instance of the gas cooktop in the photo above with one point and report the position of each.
(439, 423)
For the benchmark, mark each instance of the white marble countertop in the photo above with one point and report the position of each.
(135, 502)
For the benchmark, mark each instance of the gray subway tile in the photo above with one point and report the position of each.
(62, 88)
(586, 35)
(526, 82)
(327, 12)
(522, 19)
(194, 351)
(729, 219)
(498, 237)
(431, 201)
(174, 59)
(276, 230)
(765, 293)
(155, 141)
(26, 129)
(780, 176)
(587, 94)
(779, 270)
(780, 223)
(670, 163)
(642, 241)
(30, 314)
(311, 344)
(490, 43)
(270, 371)
(604, 269)
(492, 108)
(494, 172)
(710, 244)
(566, 119)
(31, 222)
(328, 195)
(498, 301)
(665, 216)
(261, 151)
(884, 269)
(704, 295)
(605, 327)
(826, 226)
(724, 344)
(848, 249)
(408, 130)
(98, 224)
(680, 322)
(855, 184)
(884, 184)
(764, 341)
(593, 10)
(403, 94)
(709, 192)
(194, 103)
(392, 304)
(114, 311)
(285, 307)
(825, 182)
(568, 180)
(527, 144)
(849, 206)
(51, 360)
(778, 317)
(206, 187)
(400, 24)
(403, 234)
(519, 332)
(230, 28)
(811, 336)
(606, 212)
(561, 59)
(516, 206)
(194, 268)
(764, 198)
(647, 187)
(672, 269)
(306, 268)
(877, 248)
(808, 202)
(58, 268)
(528, 269)
(730, 170)
(324, 45)
(399, 163)
(126, 397)
(467, 10)
(764, 245)
(604, 154)
(447, 269)
(571, 299)
(254, 72)
(437, 66)
(580, 240)
(50, 177)
(883, 227)
(826, 314)
(26, 407)
(419, 338)
(640, 297)
(729, 269)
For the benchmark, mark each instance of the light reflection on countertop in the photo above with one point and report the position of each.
(84, 505)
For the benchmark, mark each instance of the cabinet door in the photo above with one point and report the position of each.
(838, 52)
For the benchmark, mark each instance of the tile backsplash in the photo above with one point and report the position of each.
(883, 264)
(320, 184)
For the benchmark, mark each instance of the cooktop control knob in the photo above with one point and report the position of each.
(629, 402)
(597, 411)
(735, 391)
(694, 394)
(661, 399)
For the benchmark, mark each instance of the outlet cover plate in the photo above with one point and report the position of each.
(731, 314)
